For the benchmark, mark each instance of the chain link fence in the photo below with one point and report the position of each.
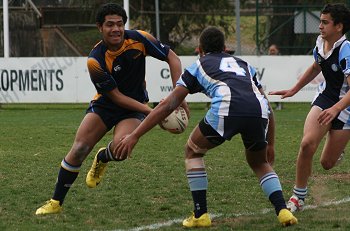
(292, 25)
(294, 28)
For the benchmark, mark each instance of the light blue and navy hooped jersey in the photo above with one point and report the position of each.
(231, 84)
(125, 68)
(335, 67)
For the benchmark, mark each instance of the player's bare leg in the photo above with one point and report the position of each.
(90, 131)
(257, 160)
(313, 134)
(196, 147)
(334, 147)
(104, 155)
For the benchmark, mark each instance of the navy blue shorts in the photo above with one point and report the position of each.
(111, 114)
(253, 131)
(324, 102)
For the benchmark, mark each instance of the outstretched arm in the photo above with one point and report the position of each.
(163, 109)
(306, 78)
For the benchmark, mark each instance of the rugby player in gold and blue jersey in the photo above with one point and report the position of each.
(117, 70)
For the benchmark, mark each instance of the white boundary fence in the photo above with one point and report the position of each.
(66, 79)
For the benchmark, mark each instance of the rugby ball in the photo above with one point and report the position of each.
(176, 122)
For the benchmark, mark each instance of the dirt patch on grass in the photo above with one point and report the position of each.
(335, 176)
(320, 190)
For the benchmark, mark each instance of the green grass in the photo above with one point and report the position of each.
(151, 187)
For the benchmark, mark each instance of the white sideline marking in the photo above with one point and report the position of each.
(263, 211)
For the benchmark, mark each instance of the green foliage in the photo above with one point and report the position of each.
(86, 38)
(183, 19)
(151, 187)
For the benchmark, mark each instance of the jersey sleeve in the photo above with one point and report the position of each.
(154, 47)
(100, 77)
(189, 80)
(344, 57)
(315, 54)
(253, 74)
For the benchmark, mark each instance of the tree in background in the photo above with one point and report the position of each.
(180, 19)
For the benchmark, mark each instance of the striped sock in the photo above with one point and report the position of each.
(273, 190)
(66, 177)
(198, 183)
(106, 155)
(301, 193)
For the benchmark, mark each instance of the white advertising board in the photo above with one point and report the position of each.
(66, 79)
(45, 80)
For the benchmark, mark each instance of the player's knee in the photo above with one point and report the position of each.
(191, 148)
(256, 146)
(80, 150)
(327, 164)
(308, 147)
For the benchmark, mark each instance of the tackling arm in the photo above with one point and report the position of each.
(164, 108)
(306, 78)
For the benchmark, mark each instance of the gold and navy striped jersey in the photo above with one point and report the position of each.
(124, 69)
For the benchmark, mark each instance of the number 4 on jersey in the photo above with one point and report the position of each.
(229, 64)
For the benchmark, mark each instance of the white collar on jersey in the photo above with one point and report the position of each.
(320, 42)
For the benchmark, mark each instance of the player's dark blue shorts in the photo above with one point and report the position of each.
(253, 131)
(324, 102)
(112, 114)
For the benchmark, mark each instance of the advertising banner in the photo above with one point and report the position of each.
(66, 79)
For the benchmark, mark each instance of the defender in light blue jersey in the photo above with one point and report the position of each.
(238, 106)
(330, 112)
(232, 86)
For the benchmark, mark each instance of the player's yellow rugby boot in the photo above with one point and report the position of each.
(202, 221)
(50, 207)
(286, 218)
(94, 176)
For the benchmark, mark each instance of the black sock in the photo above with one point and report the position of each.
(102, 156)
(200, 202)
(278, 201)
(65, 180)
(105, 155)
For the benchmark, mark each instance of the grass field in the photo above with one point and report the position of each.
(150, 190)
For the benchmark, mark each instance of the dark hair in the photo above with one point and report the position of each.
(212, 40)
(339, 13)
(110, 9)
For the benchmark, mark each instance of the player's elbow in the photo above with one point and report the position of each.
(169, 104)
